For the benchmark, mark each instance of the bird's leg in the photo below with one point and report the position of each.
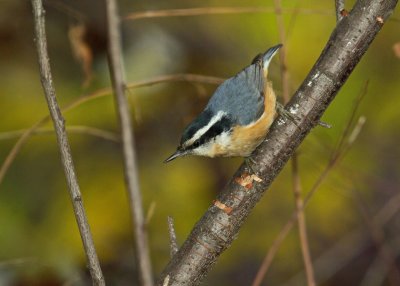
(284, 113)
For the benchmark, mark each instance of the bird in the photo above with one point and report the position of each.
(237, 117)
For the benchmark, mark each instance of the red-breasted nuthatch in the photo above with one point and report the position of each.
(237, 116)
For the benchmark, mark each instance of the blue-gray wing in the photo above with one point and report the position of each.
(241, 96)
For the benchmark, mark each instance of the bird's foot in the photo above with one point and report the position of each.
(286, 114)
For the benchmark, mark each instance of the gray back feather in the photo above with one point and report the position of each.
(242, 95)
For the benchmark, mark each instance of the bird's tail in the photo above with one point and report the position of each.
(268, 55)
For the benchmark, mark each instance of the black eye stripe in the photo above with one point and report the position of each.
(222, 125)
(201, 121)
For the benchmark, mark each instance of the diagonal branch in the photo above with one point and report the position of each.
(128, 144)
(63, 144)
(218, 227)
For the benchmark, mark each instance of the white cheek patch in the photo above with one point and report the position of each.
(204, 150)
(209, 149)
(224, 140)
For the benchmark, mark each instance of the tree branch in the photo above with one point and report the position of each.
(128, 142)
(79, 129)
(62, 139)
(217, 229)
(186, 12)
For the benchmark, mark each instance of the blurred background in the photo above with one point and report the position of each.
(352, 219)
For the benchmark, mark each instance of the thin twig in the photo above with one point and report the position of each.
(150, 212)
(128, 144)
(98, 94)
(282, 52)
(66, 158)
(215, 11)
(378, 238)
(18, 261)
(293, 17)
(348, 135)
(301, 220)
(305, 249)
(87, 130)
(379, 269)
(172, 237)
(18, 145)
(60, 6)
(339, 7)
(350, 246)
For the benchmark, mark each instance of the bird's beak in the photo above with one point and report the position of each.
(177, 154)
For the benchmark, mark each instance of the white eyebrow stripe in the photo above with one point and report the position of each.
(204, 129)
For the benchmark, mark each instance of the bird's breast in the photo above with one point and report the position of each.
(242, 140)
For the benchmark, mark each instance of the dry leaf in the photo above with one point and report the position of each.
(396, 49)
(81, 50)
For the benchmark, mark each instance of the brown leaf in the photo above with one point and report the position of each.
(81, 50)
(396, 49)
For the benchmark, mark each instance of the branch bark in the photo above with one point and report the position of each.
(173, 242)
(63, 144)
(128, 142)
(339, 7)
(218, 227)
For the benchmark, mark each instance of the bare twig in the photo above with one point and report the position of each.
(216, 11)
(305, 249)
(18, 145)
(348, 136)
(97, 94)
(282, 53)
(17, 262)
(217, 229)
(66, 158)
(349, 246)
(301, 220)
(128, 142)
(103, 134)
(172, 237)
(379, 268)
(60, 6)
(339, 8)
(150, 212)
(378, 238)
(267, 261)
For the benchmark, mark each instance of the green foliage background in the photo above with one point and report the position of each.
(39, 241)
